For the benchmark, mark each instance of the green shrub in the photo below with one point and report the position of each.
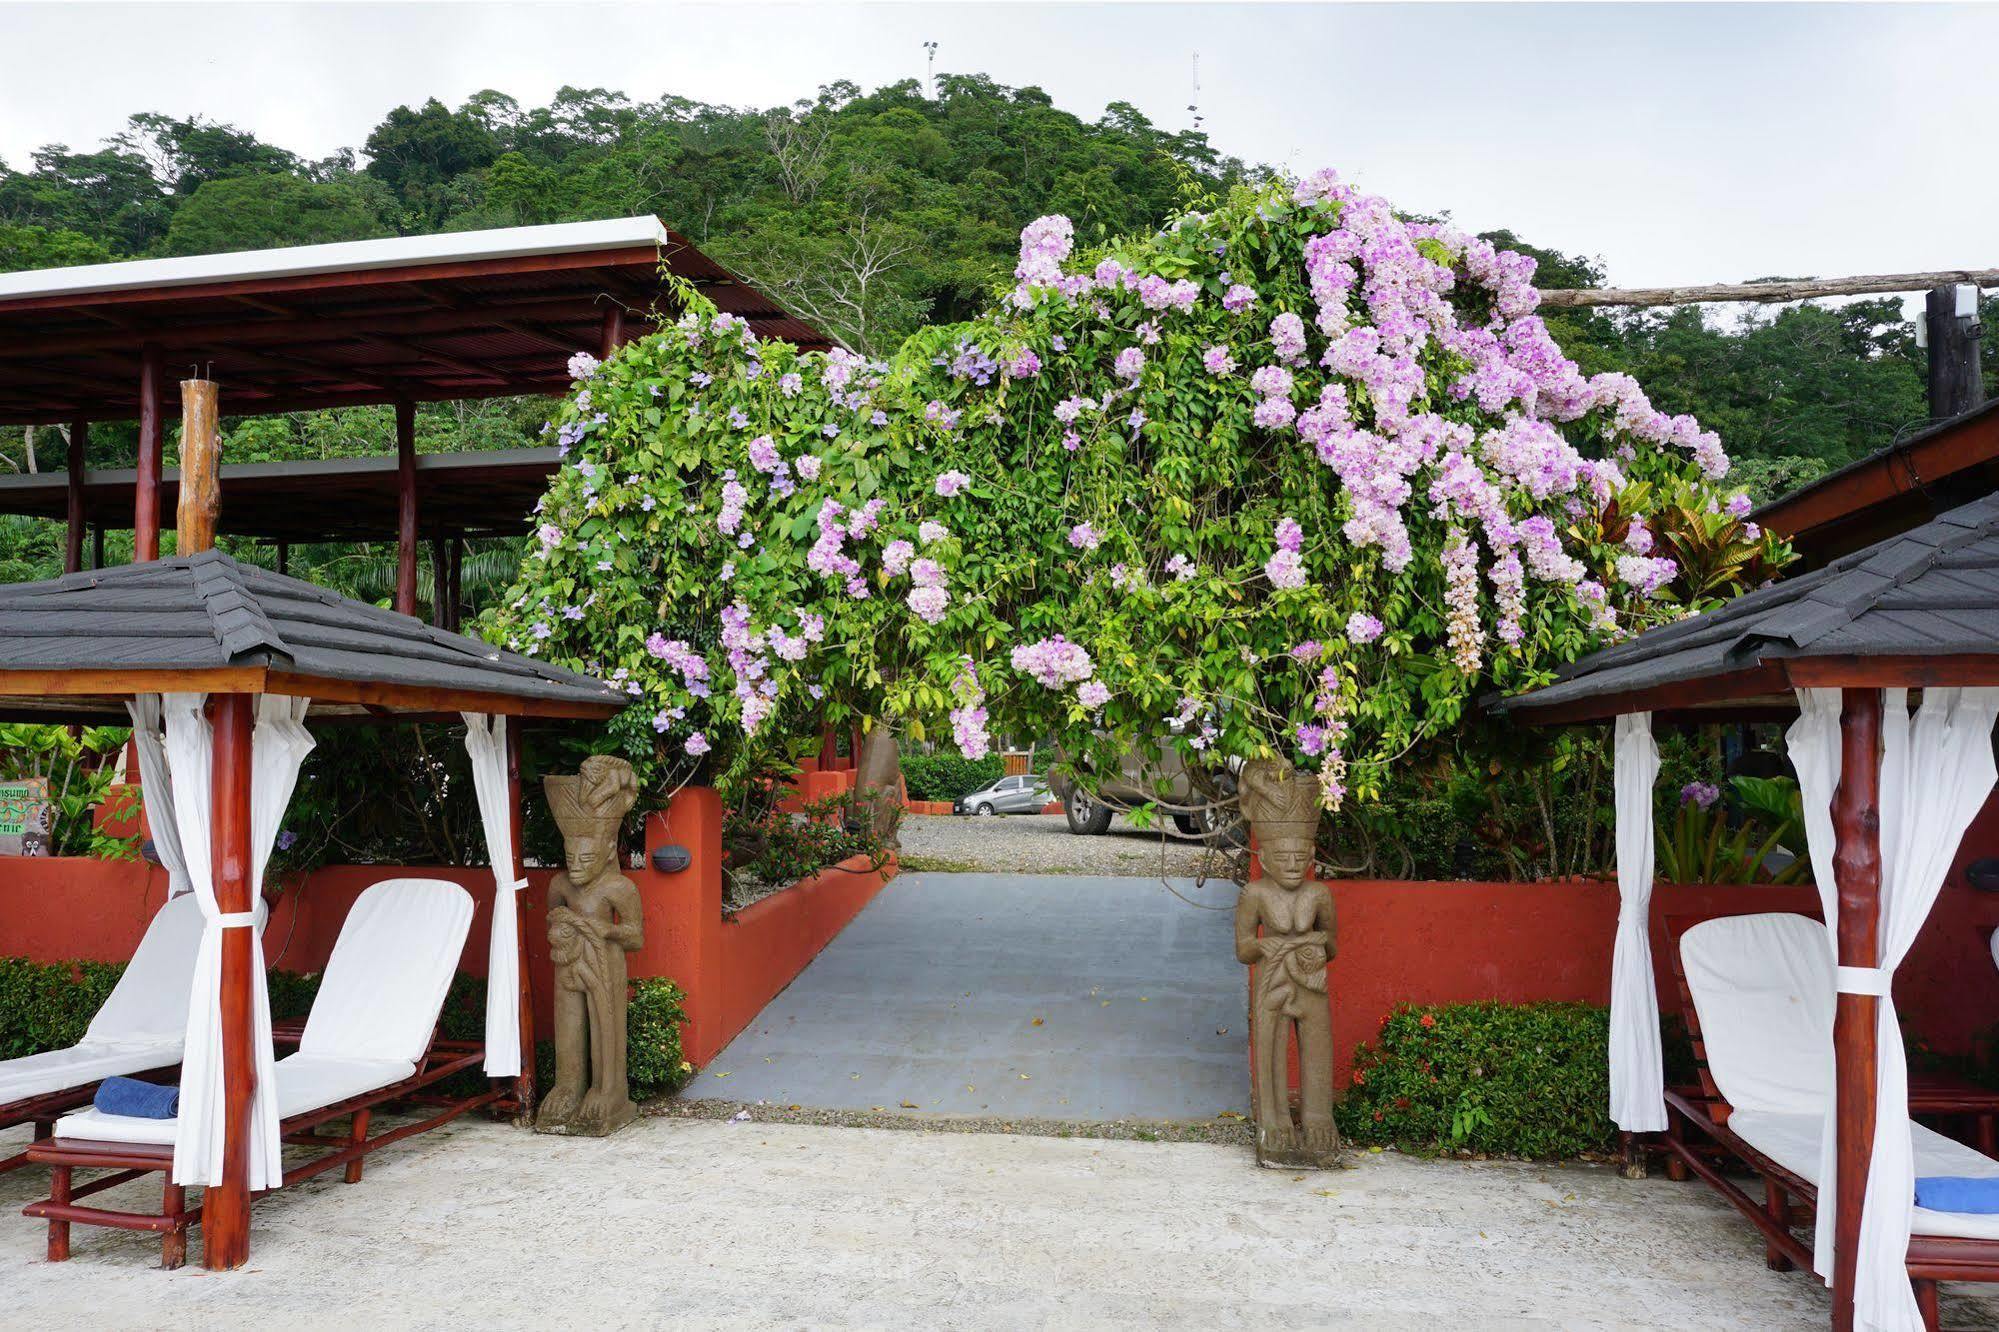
(46, 1006)
(947, 776)
(654, 1063)
(1523, 1080)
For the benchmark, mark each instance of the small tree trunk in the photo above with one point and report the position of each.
(878, 782)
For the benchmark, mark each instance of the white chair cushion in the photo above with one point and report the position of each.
(1792, 1141)
(1763, 988)
(305, 1082)
(79, 1066)
(391, 967)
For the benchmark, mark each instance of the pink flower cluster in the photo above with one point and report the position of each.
(1055, 662)
(1286, 566)
(968, 718)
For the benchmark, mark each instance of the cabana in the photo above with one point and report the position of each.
(218, 666)
(1887, 798)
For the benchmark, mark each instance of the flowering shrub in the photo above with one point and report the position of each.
(737, 540)
(1295, 478)
(1298, 478)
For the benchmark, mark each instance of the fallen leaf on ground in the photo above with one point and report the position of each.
(909, 1105)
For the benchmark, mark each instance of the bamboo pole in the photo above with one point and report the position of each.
(200, 466)
(146, 486)
(1801, 289)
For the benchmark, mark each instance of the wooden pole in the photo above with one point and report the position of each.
(200, 466)
(524, 1085)
(97, 546)
(1763, 292)
(284, 557)
(1956, 383)
(1856, 823)
(225, 1216)
(613, 331)
(406, 507)
(72, 549)
(146, 487)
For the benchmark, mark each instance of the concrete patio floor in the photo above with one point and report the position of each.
(676, 1223)
(1020, 995)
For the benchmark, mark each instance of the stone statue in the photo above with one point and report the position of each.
(1284, 932)
(594, 919)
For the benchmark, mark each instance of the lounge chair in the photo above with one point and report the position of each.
(371, 1039)
(1761, 1002)
(139, 1030)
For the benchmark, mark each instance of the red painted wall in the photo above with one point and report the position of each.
(61, 909)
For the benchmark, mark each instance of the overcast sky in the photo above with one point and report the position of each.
(1680, 143)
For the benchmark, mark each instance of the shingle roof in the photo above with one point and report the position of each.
(207, 612)
(1930, 592)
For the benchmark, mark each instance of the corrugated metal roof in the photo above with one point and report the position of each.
(1930, 592)
(208, 612)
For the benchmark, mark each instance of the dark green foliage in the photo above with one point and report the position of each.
(654, 1063)
(946, 776)
(779, 848)
(1525, 1080)
(47, 1006)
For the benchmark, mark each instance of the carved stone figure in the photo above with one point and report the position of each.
(1284, 932)
(594, 919)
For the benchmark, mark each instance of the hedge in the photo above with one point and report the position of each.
(46, 1006)
(948, 776)
(1490, 1079)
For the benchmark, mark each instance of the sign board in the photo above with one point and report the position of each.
(25, 817)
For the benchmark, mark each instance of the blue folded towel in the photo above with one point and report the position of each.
(1958, 1193)
(139, 1100)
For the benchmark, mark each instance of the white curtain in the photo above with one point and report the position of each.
(1637, 1072)
(278, 744)
(1936, 772)
(156, 788)
(486, 742)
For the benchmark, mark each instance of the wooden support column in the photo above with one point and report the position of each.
(97, 546)
(1856, 823)
(72, 548)
(146, 487)
(406, 507)
(200, 466)
(284, 557)
(613, 331)
(524, 1085)
(225, 1215)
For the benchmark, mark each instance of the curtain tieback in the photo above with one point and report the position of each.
(1865, 980)
(237, 920)
(514, 885)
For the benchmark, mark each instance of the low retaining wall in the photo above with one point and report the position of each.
(74, 909)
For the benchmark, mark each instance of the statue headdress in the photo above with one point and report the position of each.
(595, 801)
(1280, 801)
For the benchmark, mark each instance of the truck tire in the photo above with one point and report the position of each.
(1086, 817)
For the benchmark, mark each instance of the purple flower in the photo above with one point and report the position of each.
(1217, 361)
(950, 483)
(1093, 694)
(1363, 628)
(583, 365)
(1703, 794)
(1084, 537)
(1130, 364)
(697, 744)
(808, 466)
(287, 839)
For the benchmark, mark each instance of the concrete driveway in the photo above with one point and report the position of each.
(1027, 996)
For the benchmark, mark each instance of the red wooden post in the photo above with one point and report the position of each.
(1856, 822)
(225, 1217)
(524, 1085)
(614, 330)
(146, 487)
(72, 549)
(406, 507)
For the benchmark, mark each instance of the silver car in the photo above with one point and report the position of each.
(1008, 795)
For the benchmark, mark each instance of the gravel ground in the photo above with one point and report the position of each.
(1043, 844)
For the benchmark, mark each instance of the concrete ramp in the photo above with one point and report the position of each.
(1021, 996)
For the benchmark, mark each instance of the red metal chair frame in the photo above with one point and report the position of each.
(1790, 1199)
(130, 1161)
